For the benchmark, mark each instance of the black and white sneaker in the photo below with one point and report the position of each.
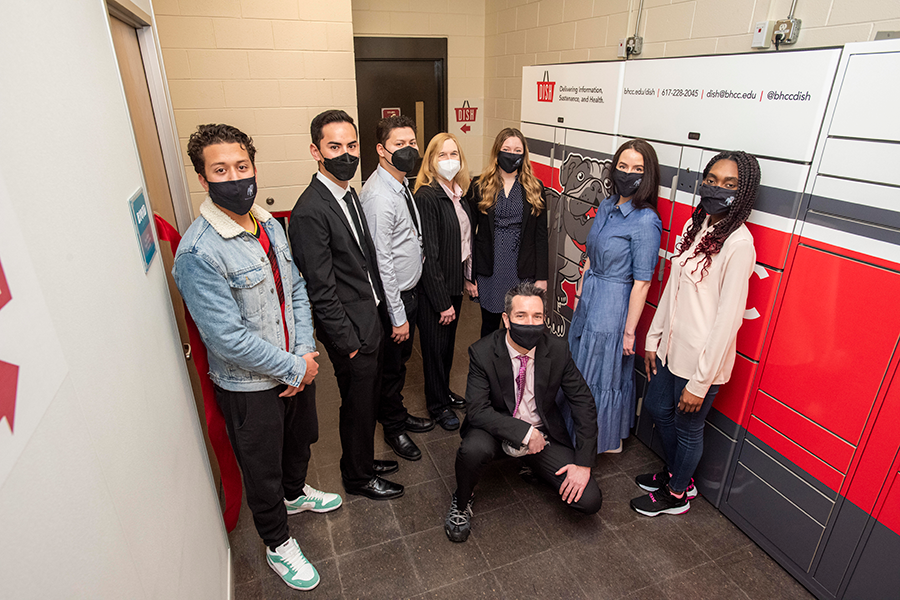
(653, 481)
(659, 502)
(458, 523)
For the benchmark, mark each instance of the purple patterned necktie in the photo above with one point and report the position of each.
(520, 380)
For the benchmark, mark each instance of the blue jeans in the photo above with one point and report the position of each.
(681, 432)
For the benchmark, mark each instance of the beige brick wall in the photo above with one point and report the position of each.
(264, 66)
(462, 23)
(530, 32)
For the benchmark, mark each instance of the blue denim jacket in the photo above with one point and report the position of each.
(227, 283)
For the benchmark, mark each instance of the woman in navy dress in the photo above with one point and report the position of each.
(623, 249)
(510, 222)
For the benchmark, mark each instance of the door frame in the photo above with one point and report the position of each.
(154, 70)
(408, 48)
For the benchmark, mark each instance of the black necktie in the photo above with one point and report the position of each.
(360, 232)
(412, 211)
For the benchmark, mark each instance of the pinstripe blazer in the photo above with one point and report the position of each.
(442, 273)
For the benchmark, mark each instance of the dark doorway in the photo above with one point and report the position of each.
(405, 73)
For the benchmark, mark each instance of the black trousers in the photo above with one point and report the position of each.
(271, 438)
(479, 448)
(358, 380)
(391, 412)
(437, 342)
(490, 322)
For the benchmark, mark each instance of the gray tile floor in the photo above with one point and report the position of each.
(525, 543)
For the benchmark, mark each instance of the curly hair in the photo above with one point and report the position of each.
(211, 133)
(748, 186)
(490, 183)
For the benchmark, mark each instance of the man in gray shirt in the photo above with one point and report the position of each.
(395, 228)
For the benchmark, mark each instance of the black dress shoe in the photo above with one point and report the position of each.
(448, 420)
(418, 424)
(403, 446)
(383, 467)
(377, 489)
(456, 400)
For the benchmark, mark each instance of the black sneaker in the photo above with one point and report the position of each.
(457, 523)
(659, 502)
(654, 481)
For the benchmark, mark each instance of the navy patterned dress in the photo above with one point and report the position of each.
(507, 233)
(623, 246)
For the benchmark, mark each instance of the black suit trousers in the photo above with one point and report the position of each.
(438, 343)
(271, 438)
(358, 379)
(478, 449)
(391, 412)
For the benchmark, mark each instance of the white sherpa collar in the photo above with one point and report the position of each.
(225, 225)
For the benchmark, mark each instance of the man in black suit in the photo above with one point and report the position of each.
(333, 249)
(514, 376)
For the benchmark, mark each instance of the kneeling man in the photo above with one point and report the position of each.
(514, 377)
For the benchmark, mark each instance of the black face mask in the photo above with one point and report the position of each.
(716, 200)
(236, 196)
(404, 159)
(343, 167)
(509, 161)
(626, 183)
(526, 336)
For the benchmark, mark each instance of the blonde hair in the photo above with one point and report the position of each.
(428, 172)
(491, 182)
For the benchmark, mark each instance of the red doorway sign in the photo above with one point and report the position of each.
(545, 88)
(466, 113)
(390, 112)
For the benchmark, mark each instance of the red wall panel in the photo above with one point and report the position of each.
(771, 245)
(734, 397)
(760, 299)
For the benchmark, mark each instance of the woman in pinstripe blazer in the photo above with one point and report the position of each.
(447, 235)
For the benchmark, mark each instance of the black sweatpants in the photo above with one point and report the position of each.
(271, 438)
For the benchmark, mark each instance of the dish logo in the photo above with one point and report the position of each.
(545, 88)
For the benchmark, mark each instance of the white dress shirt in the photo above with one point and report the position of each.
(528, 406)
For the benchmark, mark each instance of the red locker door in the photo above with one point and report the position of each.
(835, 334)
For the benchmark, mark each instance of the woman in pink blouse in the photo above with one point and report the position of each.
(690, 346)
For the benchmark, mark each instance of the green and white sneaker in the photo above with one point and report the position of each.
(292, 566)
(313, 500)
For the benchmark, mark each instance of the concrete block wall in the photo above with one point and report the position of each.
(523, 32)
(462, 23)
(265, 66)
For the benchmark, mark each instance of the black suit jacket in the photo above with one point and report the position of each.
(491, 396)
(533, 259)
(442, 272)
(336, 272)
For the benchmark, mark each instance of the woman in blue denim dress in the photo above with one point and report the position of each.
(623, 249)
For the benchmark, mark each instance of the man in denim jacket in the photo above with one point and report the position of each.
(235, 273)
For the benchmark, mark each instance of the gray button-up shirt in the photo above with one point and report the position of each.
(397, 242)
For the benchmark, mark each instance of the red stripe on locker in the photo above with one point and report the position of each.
(733, 398)
(879, 453)
(656, 286)
(640, 332)
(868, 258)
(760, 299)
(796, 454)
(547, 174)
(889, 515)
(818, 441)
(771, 245)
(664, 206)
(828, 354)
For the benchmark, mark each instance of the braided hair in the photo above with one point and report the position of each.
(748, 186)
